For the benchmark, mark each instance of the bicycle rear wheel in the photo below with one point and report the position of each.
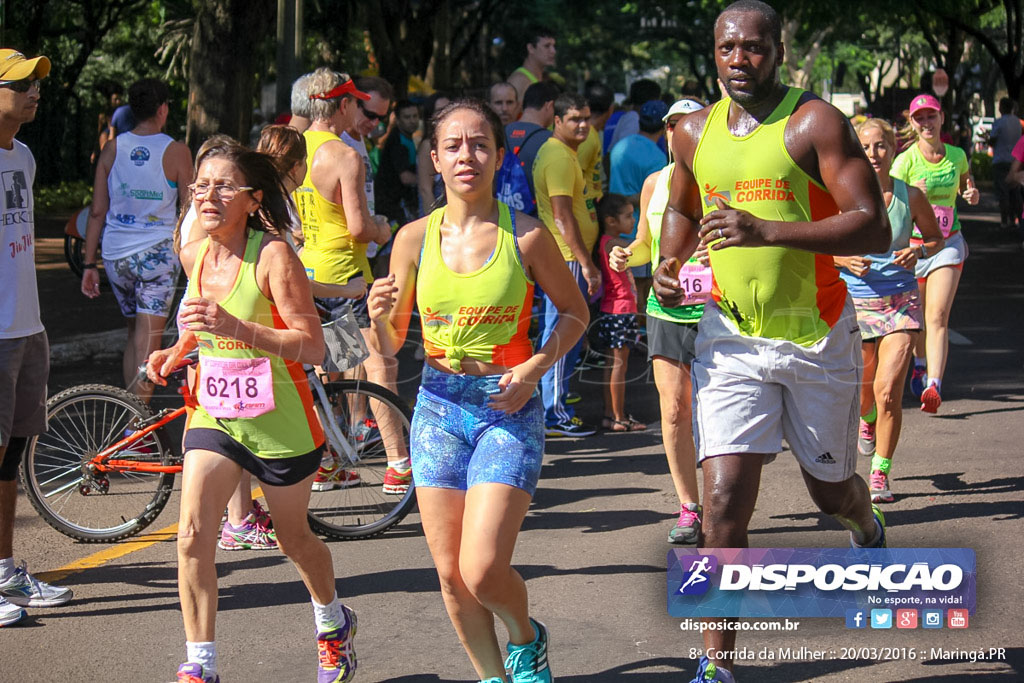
(73, 497)
(362, 509)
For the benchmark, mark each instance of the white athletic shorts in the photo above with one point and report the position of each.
(751, 392)
(953, 254)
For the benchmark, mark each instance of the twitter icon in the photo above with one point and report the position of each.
(881, 618)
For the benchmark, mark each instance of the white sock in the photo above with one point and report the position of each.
(919, 363)
(937, 383)
(204, 654)
(6, 568)
(874, 539)
(328, 617)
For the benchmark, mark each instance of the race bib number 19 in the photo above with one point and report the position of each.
(695, 281)
(236, 387)
(944, 215)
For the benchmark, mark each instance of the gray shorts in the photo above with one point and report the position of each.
(671, 340)
(24, 370)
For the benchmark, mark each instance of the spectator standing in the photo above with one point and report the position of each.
(428, 181)
(142, 180)
(540, 54)
(396, 178)
(511, 185)
(1006, 131)
(525, 136)
(641, 91)
(635, 157)
(562, 206)
(24, 350)
(600, 99)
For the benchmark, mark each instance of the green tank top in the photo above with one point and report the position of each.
(485, 314)
(290, 429)
(771, 292)
(655, 214)
(526, 72)
(329, 254)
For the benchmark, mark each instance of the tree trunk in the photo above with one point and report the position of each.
(222, 82)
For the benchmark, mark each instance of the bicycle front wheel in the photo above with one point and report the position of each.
(353, 500)
(67, 490)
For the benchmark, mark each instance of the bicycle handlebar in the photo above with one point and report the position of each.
(191, 358)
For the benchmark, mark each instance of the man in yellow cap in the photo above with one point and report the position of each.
(24, 351)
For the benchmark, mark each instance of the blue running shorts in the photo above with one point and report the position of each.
(458, 442)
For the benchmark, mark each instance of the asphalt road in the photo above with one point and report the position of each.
(592, 548)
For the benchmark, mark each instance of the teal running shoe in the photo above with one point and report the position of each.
(880, 520)
(529, 663)
(495, 679)
(707, 672)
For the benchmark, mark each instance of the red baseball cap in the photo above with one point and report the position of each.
(924, 101)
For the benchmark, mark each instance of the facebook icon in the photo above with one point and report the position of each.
(856, 618)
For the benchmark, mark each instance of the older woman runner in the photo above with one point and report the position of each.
(941, 171)
(885, 297)
(478, 429)
(250, 311)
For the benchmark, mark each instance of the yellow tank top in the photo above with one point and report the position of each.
(484, 315)
(292, 427)
(330, 254)
(771, 292)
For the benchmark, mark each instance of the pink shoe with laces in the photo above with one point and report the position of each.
(687, 528)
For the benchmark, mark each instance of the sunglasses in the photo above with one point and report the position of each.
(24, 85)
(671, 124)
(372, 115)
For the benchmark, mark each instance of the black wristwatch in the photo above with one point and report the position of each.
(89, 266)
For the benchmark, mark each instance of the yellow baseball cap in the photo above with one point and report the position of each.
(15, 66)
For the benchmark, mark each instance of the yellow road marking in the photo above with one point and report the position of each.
(98, 559)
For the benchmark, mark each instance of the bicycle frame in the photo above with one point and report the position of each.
(103, 462)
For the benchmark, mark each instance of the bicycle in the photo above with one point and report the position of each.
(104, 469)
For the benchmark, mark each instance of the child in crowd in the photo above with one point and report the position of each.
(616, 326)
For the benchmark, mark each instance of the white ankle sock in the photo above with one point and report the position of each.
(204, 654)
(328, 617)
(935, 382)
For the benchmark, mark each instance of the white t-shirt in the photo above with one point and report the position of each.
(19, 292)
(360, 146)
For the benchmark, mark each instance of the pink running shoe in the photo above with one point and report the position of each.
(880, 492)
(687, 528)
(866, 439)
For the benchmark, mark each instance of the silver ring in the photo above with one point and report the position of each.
(720, 235)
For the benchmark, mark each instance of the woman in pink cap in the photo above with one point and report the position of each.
(941, 171)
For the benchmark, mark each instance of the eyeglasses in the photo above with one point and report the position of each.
(372, 115)
(223, 192)
(23, 85)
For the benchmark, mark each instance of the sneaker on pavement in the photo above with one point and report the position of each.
(336, 655)
(707, 672)
(574, 427)
(880, 492)
(10, 613)
(191, 672)
(396, 481)
(529, 663)
(930, 399)
(334, 476)
(880, 542)
(687, 528)
(261, 515)
(866, 439)
(918, 376)
(25, 590)
(251, 535)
